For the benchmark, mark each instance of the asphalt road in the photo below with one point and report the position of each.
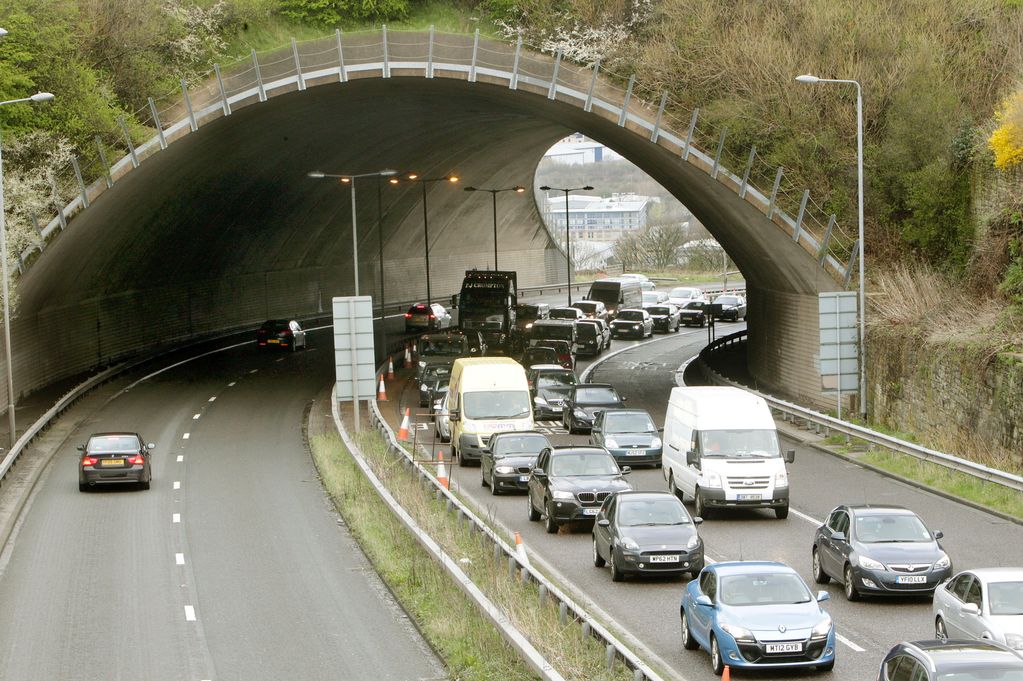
(233, 566)
(648, 609)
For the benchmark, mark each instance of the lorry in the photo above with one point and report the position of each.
(721, 449)
(486, 304)
(486, 395)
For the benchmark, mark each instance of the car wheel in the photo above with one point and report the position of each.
(534, 514)
(700, 507)
(781, 512)
(144, 484)
(688, 642)
(598, 560)
(819, 575)
(851, 594)
(940, 632)
(716, 663)
(483, 478)
(550, 524)
(673, 488)
(82, 487)
(616, 574)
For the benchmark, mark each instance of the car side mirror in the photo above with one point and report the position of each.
(661, 429)
(790, 456)
(969, 609)
(704, 601)
(697, 520)
(604, 522)
(838, 536)
(80, 448)
(938, 534)
(823, 596)
(539, 474)
(626, 470)
(692, 458)
(454, 415)
(486, 450)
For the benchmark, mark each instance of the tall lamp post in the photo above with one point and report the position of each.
(807, 78)
(38, 97)
(350, 179)
(518, 189)
(426, 221)
(568, 233)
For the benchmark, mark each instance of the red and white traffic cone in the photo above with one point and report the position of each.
(442, 472)
(726, 675)
(381, 391)
(520, 551)
(408, 356)
(403, 430)
(390, 368)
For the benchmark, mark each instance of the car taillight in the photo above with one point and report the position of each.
(88, 461)
(136, 460)
(408, 315)
(430, 315)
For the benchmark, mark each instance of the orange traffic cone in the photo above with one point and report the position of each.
(403, 430)
(442, 472)
(390, 368)
(727, 674)
(408, 356)
(520, 551)
(381, 391)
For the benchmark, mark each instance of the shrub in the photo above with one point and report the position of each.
(1007, 139)
(333, 13)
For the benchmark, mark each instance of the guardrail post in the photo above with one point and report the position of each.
(223, 91)
(690, 133)
(131, 145)
(156, 121)
(609, 656)
(801, 215)
(512, 567)
(628, 98)
(543, 595)
(717, 156)
(103, 160)
(774, 193)
(660, 114)
(497, 552)
(852, 261)
(475, 53)
(192, 123)
(259, 77)
(298, 65)
(745, 174)
(387, 66)
(554, 77)
(81, 182)
(585, 630)
(513, 84)
(429, 55)
(56, 201)
(588, 106)
(562, 613)
(822, 254)
(342, 75)
(39, 230)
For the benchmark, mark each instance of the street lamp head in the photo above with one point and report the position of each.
(412, 176)
(470, 189)
(393, 180)
(42, 97)
(545, 188)
(387, 172)
(587, 188)
(345, 179)
(452, 179)
(315, 174)
(807, 78)
(519, 189)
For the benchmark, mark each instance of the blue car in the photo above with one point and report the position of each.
(758, 615)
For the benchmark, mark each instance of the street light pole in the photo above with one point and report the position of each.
(518, 189)
(807, 78)
(568, 234)
(11, 421)
(426, 222)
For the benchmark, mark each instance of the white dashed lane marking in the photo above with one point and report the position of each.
(252, 371)
(189, 613)
(177, 484)
(231, 384)
(180, 458)
(176, 518)
(849, 643)
(212, 399)
(185, 436)
(179, 559)
(196, 417)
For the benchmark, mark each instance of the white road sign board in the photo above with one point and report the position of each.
(355, 369)
(839, 354)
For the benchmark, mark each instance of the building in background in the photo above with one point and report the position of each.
(577, 149)
(594, 218)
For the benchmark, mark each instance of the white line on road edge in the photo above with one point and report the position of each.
(586, 373)
(177, 484)
(231, 384)
(179, 559)
(212, 399)
(196, 417)
(808, 518)
(180, 458)
(185, 436)
(252, 371)
(176, 518)
(189, 613)
(849, 643)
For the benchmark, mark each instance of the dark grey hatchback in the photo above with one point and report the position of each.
(509, 458)
(114, 459)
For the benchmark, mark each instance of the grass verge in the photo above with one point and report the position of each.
(466, 641)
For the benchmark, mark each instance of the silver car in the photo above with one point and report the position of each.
(442, 424)
(986, 603)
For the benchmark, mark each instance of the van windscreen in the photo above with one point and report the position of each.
(737, 444)
(607, 294)
(496, 404)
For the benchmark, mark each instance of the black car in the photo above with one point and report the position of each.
(590, 340)
(526, 314)
(432, 376)
(564, 350)
(693, 314)
(509, 458)
(583, 401)
(666, 318)
(632, 323)
(935, 660)
(646, 533)
(879, 550)
(603, 330)
(280, 333)
(549, 383)
(539, 354)
(570, 483)
(733, 308)
(114, 459)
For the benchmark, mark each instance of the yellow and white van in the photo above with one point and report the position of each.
(486, 395)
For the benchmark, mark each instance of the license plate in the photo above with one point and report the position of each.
(523, 478)
(591, 511)
(749, 497)
(635, 452)
(665, 559)
(784, 647)
(274, 341)
(111, 462)
(911, 579)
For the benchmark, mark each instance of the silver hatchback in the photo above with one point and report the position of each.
(985, 603)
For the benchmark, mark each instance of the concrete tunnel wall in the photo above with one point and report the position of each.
(223, 229)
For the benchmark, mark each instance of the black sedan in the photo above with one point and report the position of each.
(665, 318)
(632, 323)
(692, 313)
(539, 354)
(646, 533)
(114, 459)
(432, 375)
(583, 401)
(879, 550)
(509, 458)
(549, 383)
(570, 483)
(286, 334)
(733, 308)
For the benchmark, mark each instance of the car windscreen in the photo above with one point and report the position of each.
(113, 443)
(694, 305)
(630, 316)
(586, 331)
(1006, 598)
(683, 293)
(638, 512)
(659, 310)
(584, 464)
(763, 588)
(650, 297)
(586, 306)
(519, 444)
(587, 395)
(740, 444)
(496, 404)
(726, 300)
(433, 373)
(539, 356)
(605, 294)
(526, 312)
(552, 332)
(556, 380)
(484, 298)
(987, 673)
(636, 422)
(445, 347)
(891, 529)
(564, 313)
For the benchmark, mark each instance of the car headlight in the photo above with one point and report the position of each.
(580, 414)
(611, 442)
(655, 443)
(870, 563)
(529, 325)
(424, 388)
(712, 480)
(738, 633)
(943, 562)
(539, 401)
(635, 326)
(422, 363)
(630, 544)
(822, 629)
(693, 542)
(504, 470)
(781, 479)
(561, 494)
(1014, 641)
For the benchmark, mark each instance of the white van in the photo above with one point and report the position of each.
(721, 449)
(486, 395)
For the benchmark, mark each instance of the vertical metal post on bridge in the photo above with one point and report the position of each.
(259, 77)
(387, 64)
(342, 75)
(156, 122)
(554, 76)
(55, 196)
(774, 193)
(849, 267)
(822, 254)
(223, 91)
(717, 156)
(513, 84)
(131, 145)
(799, 218)
(628, 98)
(593, 86)
(429, 55)
(745, 173)
(660, 114)
(475, 55)
(298, 65)
(103, 159)
(192, 123)
(39, 230)
(81, 182)
(690, 133)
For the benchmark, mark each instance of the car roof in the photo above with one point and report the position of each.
(964, 654)
(578, 449)
(743, 567)
(512, 433)
(553, 322)
(632, 309)
(114, 433)
(998, 574)
(548, 367)
(624, 410)
(641, 495)
(878, 509)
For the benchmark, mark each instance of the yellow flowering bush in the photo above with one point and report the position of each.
(1007, 139)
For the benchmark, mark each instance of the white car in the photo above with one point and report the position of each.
(654, 298)
(680, 295)
(644, 281)
(442, 424)
(985, 603)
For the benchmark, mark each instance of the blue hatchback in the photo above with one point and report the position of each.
(757, 615)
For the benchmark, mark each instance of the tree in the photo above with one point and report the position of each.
(661, 244)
